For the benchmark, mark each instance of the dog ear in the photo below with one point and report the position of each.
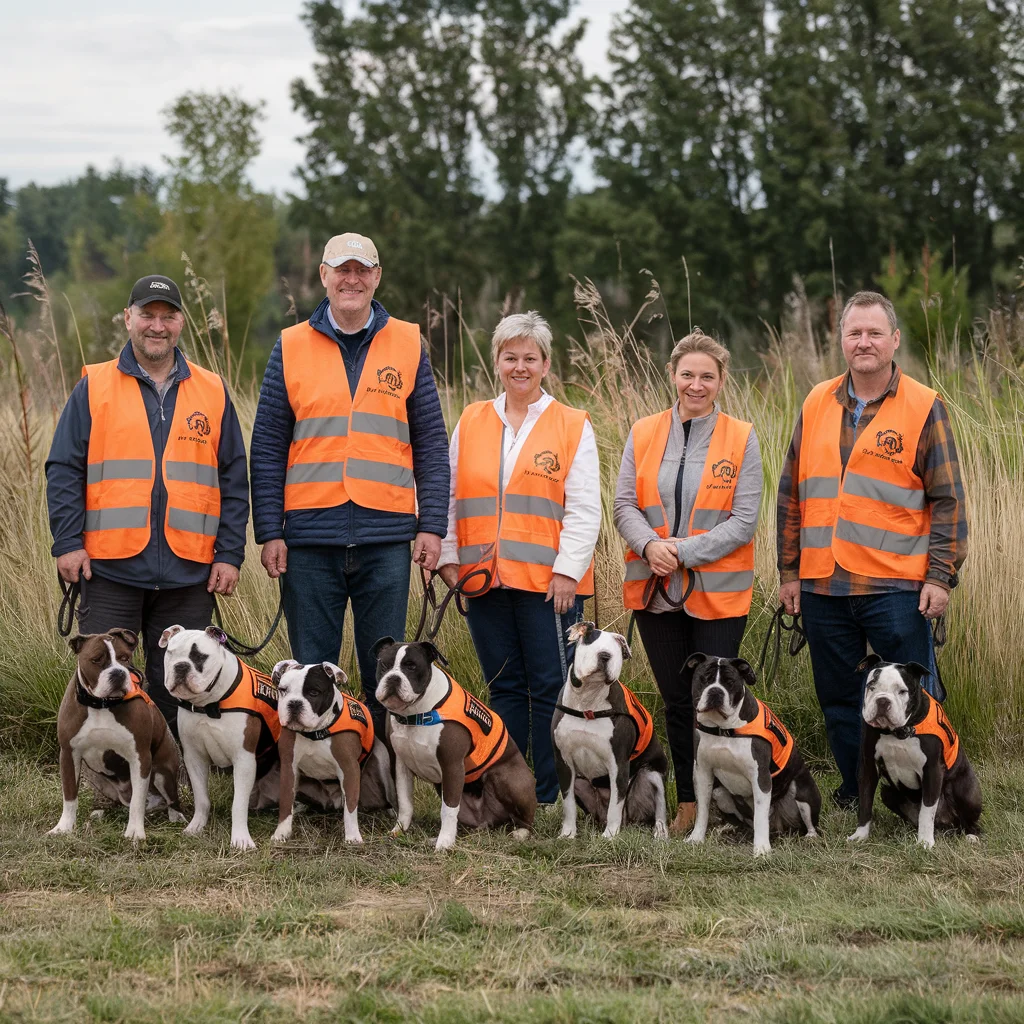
(336, 672)
(76, 643)
(745, 670)
(917, 671)
(621, 641)
(384, 641)
(435, 654)
(579, 631)
(168, 633)
(218, 634)
(130, 637)
(870, 662)
(692, 663)
(281, 667)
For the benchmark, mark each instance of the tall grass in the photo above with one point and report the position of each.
(613, 375)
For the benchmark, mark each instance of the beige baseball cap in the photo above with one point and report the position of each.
(350, 246)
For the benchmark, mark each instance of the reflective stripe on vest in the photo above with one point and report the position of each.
(120, 473)
(515, 534)
(724, 588)
(342, 448)
(873, 518)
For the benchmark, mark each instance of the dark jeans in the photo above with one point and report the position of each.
(521, 644)
(320, 581)
(109, 605)
(669, 639)
(839, 630)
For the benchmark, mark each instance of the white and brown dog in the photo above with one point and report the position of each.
(441, 733)
(606, 754)
(746, 761)
(227, 716)
(108, 726)
(330, 756)
(908, 740)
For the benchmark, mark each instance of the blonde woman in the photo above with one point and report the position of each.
(686, 504)
(525, 506)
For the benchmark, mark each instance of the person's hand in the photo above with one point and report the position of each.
(933, 600)
(426, 550)
(662, 557)
(74, 562)
(450, 574)
(789, 597)
(223, 579)
(274, 557)
(562, 590)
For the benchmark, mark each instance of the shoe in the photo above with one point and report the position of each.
(844, 801)
(686, 814)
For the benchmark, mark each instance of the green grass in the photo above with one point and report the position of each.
(628, 930)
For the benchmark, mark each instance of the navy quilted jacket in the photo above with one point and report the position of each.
(348, 523)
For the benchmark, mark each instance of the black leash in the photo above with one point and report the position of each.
(68, 610)
(244, 650)
(768, 665)
(938, 642)
(432, 612)
(659, 585)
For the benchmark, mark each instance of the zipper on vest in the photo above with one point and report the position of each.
(679, 492)
(501, 502)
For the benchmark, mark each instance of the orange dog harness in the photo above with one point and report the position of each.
(765, 726)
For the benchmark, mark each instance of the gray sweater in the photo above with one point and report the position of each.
(737, 530)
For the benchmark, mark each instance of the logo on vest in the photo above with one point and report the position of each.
(199, 424)
(389, 377)
(479, 714)
(266, 690)
(890, 441)
(547, 461)
(355, 709)
(724, 469)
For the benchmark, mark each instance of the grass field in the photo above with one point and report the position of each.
(625, 930)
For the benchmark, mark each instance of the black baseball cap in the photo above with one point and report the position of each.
(153, 288)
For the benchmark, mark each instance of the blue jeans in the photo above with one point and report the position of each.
(838, 632)
(521, 644)
(317, 586)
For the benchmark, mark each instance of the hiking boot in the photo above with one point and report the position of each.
(686, 813)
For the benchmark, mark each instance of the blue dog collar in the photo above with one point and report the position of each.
(426, 718)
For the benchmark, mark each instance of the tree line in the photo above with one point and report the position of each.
(735, 145)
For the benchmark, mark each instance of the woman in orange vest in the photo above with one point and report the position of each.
(687, 503)
(526, 506)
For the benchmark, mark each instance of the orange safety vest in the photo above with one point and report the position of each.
(353, 716)
(121, 465)
(767, 727)
(872, 518)
(346, 448)
(724, 588)
(937, 724)
(254, 694)
(515, 532)
(488, 735)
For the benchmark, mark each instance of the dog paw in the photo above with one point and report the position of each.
(60, 830)
(762, 850)
(397, 830)
(660, 830)
(811, 834)
(193, 828)
(281, 835)
(694, 838)
(444, 843)
(136, 833)
(97, 815)
(356, 840)
(242, 842)
(175, 816)
(928, 844)
(567, 833)
(858, 836)
(520, 835)
(972, 838)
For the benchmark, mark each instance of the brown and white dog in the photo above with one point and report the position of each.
(441, 733)
(108, 725)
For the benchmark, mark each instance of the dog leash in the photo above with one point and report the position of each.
(768, 665)
(657, 585)
(432, 612)
(68, 610)
(239, 647)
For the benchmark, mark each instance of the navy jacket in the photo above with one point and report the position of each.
(348, 523)
(156, 566)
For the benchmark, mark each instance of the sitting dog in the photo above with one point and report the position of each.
(108, 725)
(227, 716)
(907, 738)
(441, 733)
(606, 753)
(745, 759)
(327, 747)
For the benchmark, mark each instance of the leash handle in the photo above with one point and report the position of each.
(659, 585)
(239, 647)
(432, 612)
(67, 611)
(776, 628)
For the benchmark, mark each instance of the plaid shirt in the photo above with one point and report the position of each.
(937, 465)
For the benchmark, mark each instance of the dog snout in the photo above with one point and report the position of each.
(883, 705)
(388, 686)
(293, 709)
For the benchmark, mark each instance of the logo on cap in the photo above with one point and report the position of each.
(548, 461)
(390, 378)
(160, 284)
(354, 243)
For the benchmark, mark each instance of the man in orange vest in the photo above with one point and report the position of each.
(146, 485)
(871, 521)
(349, 465)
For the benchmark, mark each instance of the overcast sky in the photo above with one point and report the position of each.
(86, 83)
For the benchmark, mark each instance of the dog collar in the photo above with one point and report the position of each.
(590, 715)
(86, 699)
(211, 710)
(714, 730)
(322, 734)
(432, 717)
(902, 733)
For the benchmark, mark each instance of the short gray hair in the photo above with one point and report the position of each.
(529, 326)
(862, 299)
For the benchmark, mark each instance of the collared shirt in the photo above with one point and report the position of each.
(936, 463)
(338, 330)
(582, 521)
